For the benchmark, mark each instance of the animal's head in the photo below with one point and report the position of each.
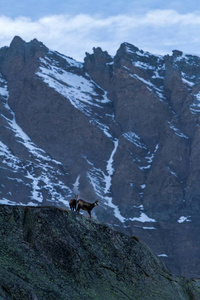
(76, 197)
(96, 203)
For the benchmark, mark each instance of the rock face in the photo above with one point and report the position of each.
(123, 130)
(50, 253)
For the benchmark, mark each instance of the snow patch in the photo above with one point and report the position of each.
(36, 194)
(195, 107)
(143, 218)
(149, 228)
(32, 204)
(150, 86)
(150, 158)
(177, 131)
(70, 61)
(102, 126)
(117, 213)
(173, 173)
(141, 207)
(9, 202)
(3, 88)
(76, 185)
(187, 82)
(184, 219)
(9, 159)
(110, 169)
(135, 139)
(97, 179)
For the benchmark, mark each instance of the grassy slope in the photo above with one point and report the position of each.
(48, 253)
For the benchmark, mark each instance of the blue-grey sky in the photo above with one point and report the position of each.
(74, 27)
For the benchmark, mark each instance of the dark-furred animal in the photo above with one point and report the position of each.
(73, 202)
(84, 205)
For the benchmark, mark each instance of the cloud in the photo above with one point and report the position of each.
(170, 17)
(157, 31)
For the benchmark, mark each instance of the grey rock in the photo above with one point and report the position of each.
(123, 130)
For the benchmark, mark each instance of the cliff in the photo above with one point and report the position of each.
(49, 253)
(123, 130)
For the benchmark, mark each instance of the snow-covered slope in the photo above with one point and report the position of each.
(69, 80)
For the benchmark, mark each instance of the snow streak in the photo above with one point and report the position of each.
(110, 169)
(108, 181)
(177, 131)
(195, 107)
(135, 139)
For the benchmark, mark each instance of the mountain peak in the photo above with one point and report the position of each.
(177, 53)
(17, 42)
(98, 55)
(127, 48)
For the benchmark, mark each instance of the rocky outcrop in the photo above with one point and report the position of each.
(50, 253)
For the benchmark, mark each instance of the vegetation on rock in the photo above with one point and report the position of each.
(49, 253)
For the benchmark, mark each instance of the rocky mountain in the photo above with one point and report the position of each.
(123, 130)
(51, 253)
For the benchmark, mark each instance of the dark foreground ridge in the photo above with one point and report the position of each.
(48, 253)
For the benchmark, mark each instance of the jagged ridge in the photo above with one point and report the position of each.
(122, 129)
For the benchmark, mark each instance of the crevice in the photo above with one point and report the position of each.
(145, 273)
(27, 231)
(108, 268)
(167, 277)
(25, 216)
(6, 291)
(114, 287)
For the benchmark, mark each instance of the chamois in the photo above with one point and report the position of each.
(81, 204)
(73, 202)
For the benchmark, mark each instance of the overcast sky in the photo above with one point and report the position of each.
(74, 27)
